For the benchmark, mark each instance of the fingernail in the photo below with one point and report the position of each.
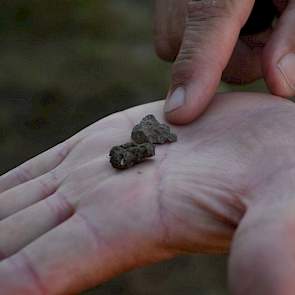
(287, 67)
(175, 100)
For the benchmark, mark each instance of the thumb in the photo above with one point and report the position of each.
(211, 32)
(279, 55)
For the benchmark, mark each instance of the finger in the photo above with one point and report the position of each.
(89, 247)
(19, 229)
(76, 255)
(262, 254)
(245, 63)
(28, 193)
(279, 55)
(63, 261)
(56, 263)
(79, 179)
(169, 18)
(37, 166)
(211, 32)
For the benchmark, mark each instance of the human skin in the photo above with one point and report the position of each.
(69, 221)
(203, 40)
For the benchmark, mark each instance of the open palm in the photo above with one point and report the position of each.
(69, 221)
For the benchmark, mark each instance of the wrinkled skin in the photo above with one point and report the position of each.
(203, 40)
(245, 63)
(69, 221)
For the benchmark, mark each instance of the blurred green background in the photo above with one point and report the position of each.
(66, 64)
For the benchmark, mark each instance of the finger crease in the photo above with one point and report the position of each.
(23, 175)
(47, 189)
(61, 208)
(30, 269)
(92, 230)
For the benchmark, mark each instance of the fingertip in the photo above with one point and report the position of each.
(278, 57)
(185, 104)
(279, 73)
(286, 67)
(164, 50)
(180, 116)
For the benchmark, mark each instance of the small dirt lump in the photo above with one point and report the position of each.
(144, 135)
(150, 130)
(127, 155)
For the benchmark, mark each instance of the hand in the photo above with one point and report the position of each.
(207, 46)
(69, 221)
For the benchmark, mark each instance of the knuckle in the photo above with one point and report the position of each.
(45, 188)
(203, 23)
(49, 183)
(206, 10)
(164, 50)
(60, 206)
(182, 69)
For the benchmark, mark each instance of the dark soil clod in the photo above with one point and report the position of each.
(127, 155)
(145, 134)
(150, 130)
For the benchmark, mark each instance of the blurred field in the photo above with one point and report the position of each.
(66, 64)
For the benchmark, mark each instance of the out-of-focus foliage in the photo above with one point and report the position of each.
(65, 64)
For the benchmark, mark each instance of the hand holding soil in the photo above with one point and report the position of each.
(69, 221)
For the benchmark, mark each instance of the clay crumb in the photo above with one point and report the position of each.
(150, 130)
(127, 155)
(144, 135)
